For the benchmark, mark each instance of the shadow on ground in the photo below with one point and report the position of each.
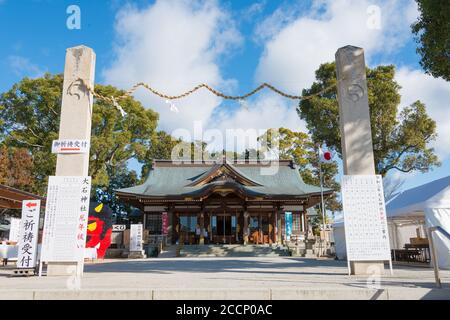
(211, 265)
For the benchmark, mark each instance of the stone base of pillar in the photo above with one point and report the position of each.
(137, 255)
(368, 268)
(62, 269)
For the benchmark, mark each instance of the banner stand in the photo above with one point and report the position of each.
(66, 218)
(365, 224)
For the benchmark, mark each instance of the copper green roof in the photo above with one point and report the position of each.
(170, 179)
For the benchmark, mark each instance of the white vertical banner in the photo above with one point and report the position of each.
(365, 222)
(136, 233)
(14, 230)
(66, 217)
(28, 235)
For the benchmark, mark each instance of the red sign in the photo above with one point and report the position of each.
(31, 204)
(165, 223)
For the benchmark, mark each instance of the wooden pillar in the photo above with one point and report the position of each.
(246, 230)
(280, 226)
(202, 227)
(75, 123)
(272, 222)
(306, 225)
(170, 227)
(241, 227)
(206, 225)
(276, 225)
(176, 228)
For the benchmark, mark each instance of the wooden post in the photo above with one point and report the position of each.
(75, 123)
(354, 118)
(245, 231)
(275, 219)
(170, 227)
(280, 226)
(202, 227)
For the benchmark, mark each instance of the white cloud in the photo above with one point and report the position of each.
(173, 46)
(296, 41)
(253, 10)
(435, 93)
(267, 110)
(22, 66)
(296, 47)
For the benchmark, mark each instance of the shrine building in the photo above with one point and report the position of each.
(225, 202)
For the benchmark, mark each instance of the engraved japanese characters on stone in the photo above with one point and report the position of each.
(355, 92)
(77, 88)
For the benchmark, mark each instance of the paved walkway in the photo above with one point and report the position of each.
(288, 277)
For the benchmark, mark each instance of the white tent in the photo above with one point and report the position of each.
(410, 214)
(428, 204)
(339, 240)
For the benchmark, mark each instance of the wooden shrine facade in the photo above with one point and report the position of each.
(224, 203)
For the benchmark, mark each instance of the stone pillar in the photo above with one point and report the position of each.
(354, 117)
(303, 214)
(75, 123)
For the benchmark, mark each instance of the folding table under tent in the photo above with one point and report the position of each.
(420, 208)
(411, 212)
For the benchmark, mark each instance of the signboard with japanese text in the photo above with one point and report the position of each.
(136, 236)
(165, 223)
(70, 146)
(366, 231)
(28, 235)
(14, 229)
(288, 223)
(119, 227)
(66, 217)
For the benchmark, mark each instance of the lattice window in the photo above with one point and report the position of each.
(154, 223)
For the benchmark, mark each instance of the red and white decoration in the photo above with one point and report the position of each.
(325, 156)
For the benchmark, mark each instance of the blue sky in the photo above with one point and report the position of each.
(232, 45)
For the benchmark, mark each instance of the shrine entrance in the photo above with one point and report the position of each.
(260, 228)
(224, 228)
(196, 183)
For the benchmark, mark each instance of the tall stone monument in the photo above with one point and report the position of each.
(75, 123)
(354, 118)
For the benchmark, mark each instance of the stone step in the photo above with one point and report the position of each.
(233, 250)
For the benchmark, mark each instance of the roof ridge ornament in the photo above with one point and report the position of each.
(223, 169)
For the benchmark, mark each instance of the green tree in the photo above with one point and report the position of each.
(162, 146)
(400, 140)
(298, 147)
(432, 33)
(116, 139)
(119, 177)
(29, 118)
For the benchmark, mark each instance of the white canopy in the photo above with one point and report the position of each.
(432, 202)
(414, 202)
